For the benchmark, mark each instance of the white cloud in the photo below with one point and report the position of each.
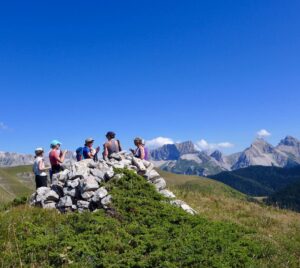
(203, 145)
(158, 142)
(263, 133)
(3, 126)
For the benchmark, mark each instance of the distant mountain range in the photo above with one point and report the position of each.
(184, 158)
(8, 159)
(14, 159)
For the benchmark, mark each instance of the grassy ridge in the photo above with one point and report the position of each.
(12, 184)
(142, 230)
(219, 202)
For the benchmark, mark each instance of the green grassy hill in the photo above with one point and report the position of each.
(219, 202)
(142, 230)
(15, 182)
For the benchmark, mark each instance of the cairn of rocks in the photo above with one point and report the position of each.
(79, 186)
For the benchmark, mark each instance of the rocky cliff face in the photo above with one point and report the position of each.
(81, 186)
(14, 159)
(261, 153)
(291, 147)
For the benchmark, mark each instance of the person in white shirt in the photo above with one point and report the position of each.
(39, 168)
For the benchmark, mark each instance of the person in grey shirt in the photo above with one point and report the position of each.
(111, 146)
(39, 168)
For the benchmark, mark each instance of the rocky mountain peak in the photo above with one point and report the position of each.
(217, 155)
(186, 147)
(289, 141)
(262, 146)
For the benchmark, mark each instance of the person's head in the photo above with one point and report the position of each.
(55, 144)
(110, 135)
(39, 152)
(138, 141)
(89, 142)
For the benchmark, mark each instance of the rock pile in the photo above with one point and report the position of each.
(80, 186)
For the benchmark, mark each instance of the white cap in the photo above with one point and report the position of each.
(39, 149)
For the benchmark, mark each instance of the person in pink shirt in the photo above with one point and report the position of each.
(57, 157)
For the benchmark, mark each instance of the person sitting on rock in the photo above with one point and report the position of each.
(39, 169)
(111, 146)
(57, 157)
(146, 150)
(139, 152)
(88, 151)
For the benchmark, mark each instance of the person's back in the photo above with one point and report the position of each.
(86, 152)
(53, 157)
(113, 146)
(36, 167)
(39, 168)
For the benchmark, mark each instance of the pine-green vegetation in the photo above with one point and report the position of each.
(143, 230)
(288, 198)
(259, 180)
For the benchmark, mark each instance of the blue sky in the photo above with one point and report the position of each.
(184, 70)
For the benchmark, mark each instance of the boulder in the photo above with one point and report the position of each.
(160, 184)
(70, 191)
(50, 205)
(58, 188)
(116, 156)
(83, 204)
(99, 194)
(73, 183)
(87, 195)
(89, 184)
(109, 174)
(46, 194)
(152, 175)
(100, 174)
(106, 201)
(184, 206)
(119, 165)
(65, 202)
(167, 193)
(126, 162)
(139, 164)
(42, 191)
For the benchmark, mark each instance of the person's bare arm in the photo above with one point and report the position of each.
(42, 166)
(105, 152)
(61, 159)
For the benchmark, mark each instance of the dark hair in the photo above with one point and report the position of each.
(110, 134)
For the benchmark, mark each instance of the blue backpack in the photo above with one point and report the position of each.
(79, 154)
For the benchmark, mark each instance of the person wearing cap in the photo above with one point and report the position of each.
(111, 146)
(39, 168)
(139, 152)
(56, 156)
(88, 151)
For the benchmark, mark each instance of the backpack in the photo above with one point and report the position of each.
(79, 154)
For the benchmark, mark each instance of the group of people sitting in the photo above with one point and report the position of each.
(57, 156)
